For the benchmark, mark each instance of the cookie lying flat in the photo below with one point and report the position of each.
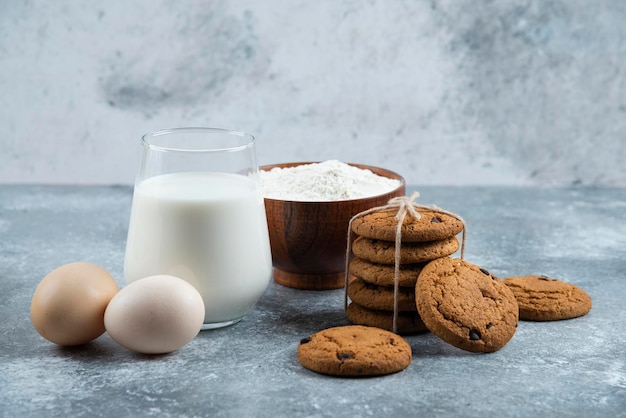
(381, 297)
(465, 305)
(379, 251)
(541, 298)
(354, 350)
(383, 274)
(407, 322)
(431, 226)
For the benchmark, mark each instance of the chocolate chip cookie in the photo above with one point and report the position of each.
(381, 297)
(406, 323)
(431, 226)
(465, 305)
(383, 274)
(541, 298)
(354, 350)
(383, 252)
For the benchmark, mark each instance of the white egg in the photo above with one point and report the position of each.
(155, 315)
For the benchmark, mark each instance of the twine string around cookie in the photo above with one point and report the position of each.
(406, 206)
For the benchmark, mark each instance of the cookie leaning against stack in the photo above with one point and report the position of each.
(430, 237)
(466, 306)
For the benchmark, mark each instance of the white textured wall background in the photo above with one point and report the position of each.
(444, 92)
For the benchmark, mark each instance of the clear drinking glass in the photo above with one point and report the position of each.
(198, 214)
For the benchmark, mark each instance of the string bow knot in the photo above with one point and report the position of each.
(405, 204)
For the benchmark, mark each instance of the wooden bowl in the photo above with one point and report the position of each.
(309, 239)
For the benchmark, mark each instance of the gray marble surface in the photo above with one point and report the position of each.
(509, 92)
(569, 368)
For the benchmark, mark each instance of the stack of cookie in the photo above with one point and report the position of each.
(372, 270)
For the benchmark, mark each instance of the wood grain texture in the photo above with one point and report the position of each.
(309, 239)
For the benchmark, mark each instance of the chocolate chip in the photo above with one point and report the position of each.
(474, 335)
(546, 278)
(489, 325)
(344, 356)
(485, 272)
(371, 286)
(305, 340)
(435, 220)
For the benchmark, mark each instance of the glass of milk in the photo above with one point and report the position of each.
(198, 214)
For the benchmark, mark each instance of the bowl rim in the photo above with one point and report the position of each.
(387, 173)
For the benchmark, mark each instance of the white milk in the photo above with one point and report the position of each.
(207, 228)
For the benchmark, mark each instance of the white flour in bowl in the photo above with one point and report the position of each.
(322, 182)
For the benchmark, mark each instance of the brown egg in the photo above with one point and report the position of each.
(68, 305)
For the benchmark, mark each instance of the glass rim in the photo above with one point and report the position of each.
(145, 139)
